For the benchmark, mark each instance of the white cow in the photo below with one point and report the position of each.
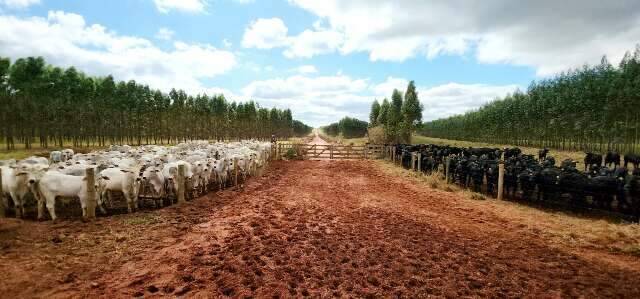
(16, 183)
(55, 157)
(67, 154)
(126, 181)
(153, 176)
(54, 184)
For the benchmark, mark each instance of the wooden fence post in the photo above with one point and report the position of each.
(181, 183)
(419, 161)
(2, 207)
(413, 161)
(90, 180)
(330, 151)
(393, 153)
(500, 180)
(446, 169)
(235, 172)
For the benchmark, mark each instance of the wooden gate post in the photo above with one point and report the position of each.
(90, 180)
(420, 161)
(2, 207)
(235, 172)
(500, 180)
(181, 183)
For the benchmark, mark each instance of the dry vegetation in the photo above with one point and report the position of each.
(562, 228)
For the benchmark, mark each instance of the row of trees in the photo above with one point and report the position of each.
(395, 121)
(594, 108)
(348, 127)
(49, 105)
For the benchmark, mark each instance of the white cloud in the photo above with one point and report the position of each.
(385, 89)
(243, 1)
(226, 43)
(165, 34)
(64, 39)
(315, 100)
(192, 6)
(265, 34)
(19, 4)
(548, 35)
(273, 33)
(453, 98)
(325, 99)
(322, 100)
(307, 69)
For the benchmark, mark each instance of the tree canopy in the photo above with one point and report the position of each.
(398, 118)
(348, 127)
(593, 108)
(51, 105)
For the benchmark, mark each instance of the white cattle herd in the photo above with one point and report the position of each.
(149, 169)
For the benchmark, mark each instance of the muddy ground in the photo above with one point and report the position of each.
(306, 228)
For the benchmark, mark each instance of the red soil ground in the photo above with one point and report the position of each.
(306, 228)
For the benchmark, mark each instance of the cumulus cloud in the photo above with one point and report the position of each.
(64, 39)
(165, 34)
(307, 69)
(19, 4)
(192, 6)
(325, 99)
(453, 98)
(548, 35)
(317, 100)
(265, 34)
(273, 33)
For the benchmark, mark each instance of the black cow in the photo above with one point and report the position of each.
(633, 159)
(603, 187)
(575, 184)
(528, 179)
(612, 158)
(542, 154)
(632, 190)
(492, 176)
(548, 182)
(592, 159)
(476, 171)
(511, 152)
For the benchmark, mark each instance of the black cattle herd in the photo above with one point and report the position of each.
(604, 182)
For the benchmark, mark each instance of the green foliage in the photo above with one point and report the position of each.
(398, 118)
(375, 112)
(383, 116)
(50, 105)
(592, 108)
(349, 128)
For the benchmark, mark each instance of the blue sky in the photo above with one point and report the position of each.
(323, 59)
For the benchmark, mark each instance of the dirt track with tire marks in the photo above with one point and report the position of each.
(311, 228)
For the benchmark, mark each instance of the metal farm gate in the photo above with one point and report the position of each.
(329, 151)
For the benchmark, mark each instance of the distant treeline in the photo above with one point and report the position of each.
(594, 108)
(49, 105)
(348, 127)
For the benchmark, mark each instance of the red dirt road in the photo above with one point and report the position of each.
(306, 228)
